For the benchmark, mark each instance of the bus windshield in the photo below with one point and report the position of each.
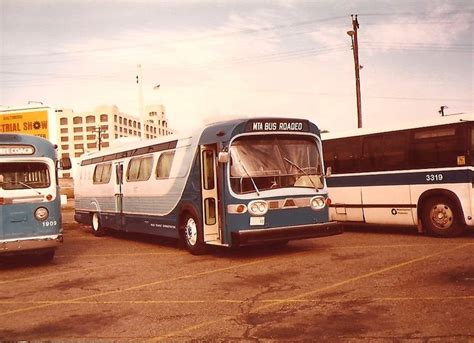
(23, 175)
(271, 162)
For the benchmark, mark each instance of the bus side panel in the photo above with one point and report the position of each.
(379, 208)
(346, 200)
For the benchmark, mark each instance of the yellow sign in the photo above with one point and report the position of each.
(31, 123)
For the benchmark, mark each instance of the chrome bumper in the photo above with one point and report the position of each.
(30, 243)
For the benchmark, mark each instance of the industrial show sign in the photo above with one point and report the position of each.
(31, 123)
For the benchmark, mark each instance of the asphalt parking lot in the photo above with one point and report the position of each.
(364, 285)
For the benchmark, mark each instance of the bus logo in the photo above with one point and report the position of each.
(8, 150)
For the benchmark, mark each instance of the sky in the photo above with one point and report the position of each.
(247, 58)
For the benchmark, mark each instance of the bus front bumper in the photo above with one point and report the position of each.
(30, 243)
(257, 236)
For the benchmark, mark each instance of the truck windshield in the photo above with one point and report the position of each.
(23, 175)
(270, 162)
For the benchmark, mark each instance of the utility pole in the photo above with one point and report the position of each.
(99, 130)
(441, 110)
(355, 49)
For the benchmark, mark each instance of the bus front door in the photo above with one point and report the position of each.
(118, 194)
(210, 206)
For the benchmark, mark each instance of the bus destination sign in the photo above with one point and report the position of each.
(9, 150)
(277, 125)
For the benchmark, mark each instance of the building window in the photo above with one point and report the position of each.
(115, 127)
(115, 118)
(90, 119)
(78, 129)
(77, 138)
(116, 135)
(105, 136)
(105, 144)
(77, 154)
(134, 123)
(91, 145)
(130, 131)
(91, 137)
(63, 121)
(65, 155)
(77, 120)
(64, 130)
(64, 139)
(130, 122)
(65, 147)
(104, 118)
(121, 130)
(91, 128)
(120, 120)
(78, 146)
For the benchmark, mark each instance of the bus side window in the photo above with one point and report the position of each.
(372, 153)
(395, 151)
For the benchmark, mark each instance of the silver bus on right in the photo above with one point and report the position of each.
(417, 175)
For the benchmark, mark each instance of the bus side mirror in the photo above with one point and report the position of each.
(328, 172)
(65, 163)
(223, 157)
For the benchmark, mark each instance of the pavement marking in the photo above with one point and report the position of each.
(124, 254)
(44, 276)
(226, 301)
(39, 306)
(303, 295)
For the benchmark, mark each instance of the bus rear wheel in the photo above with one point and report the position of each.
(442, 217)
(192, 236)
(97, 227)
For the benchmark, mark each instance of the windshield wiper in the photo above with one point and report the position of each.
(28, 186)
(303, 171)
(251, 178)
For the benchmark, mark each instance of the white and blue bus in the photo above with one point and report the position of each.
(418, 175)
(30, 204)
(232, 183)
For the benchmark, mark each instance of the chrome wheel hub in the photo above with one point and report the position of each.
(191, 232)
(441, 216)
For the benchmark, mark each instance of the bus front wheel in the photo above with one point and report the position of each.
(442, 217)
(97, 227)
(192, 236)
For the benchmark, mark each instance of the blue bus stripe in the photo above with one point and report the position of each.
(403, 178)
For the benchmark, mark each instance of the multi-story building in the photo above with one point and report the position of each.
(90, 131)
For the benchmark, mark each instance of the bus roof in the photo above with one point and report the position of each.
(449, 119)
(210, 133)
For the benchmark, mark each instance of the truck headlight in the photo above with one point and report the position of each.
(318, 203)
(41, 213)
(258, 207)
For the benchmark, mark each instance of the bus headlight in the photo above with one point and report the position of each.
(318, 203)
(258, 207)
(41, 213)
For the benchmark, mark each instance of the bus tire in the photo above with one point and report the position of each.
(97, 227)
(192, 235)
(441, 217)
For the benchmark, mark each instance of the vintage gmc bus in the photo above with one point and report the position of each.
(231, 183)
(30, 205)
(418, 175)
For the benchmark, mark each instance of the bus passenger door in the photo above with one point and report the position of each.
(118, 194)
(210, 218)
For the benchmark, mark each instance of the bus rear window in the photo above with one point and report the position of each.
(23, 175)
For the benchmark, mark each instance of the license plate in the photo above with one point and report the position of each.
(257, 221)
